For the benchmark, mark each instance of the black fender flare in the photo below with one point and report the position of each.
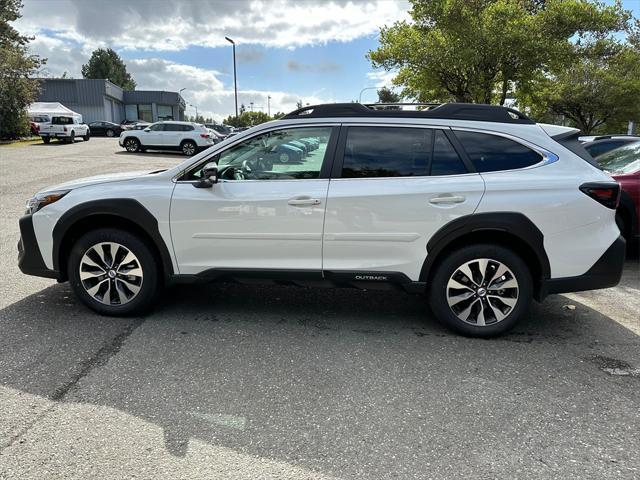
(124, 208)
(516, 224)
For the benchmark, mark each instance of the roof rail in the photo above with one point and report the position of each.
(449, 111)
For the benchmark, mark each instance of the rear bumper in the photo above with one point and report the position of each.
(605, 273)
(30, 260)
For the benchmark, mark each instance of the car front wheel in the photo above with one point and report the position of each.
(113, 272)
(110, 133)
(481, 290)
(86, 137)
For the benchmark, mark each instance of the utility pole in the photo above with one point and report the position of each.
(251, 104)
(269, 105)
(235, 77)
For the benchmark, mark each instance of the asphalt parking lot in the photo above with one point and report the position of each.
(248, 382)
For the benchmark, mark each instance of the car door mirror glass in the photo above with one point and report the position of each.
(209, 176)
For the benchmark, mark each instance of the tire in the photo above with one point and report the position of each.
(284, 158)
(131, 290)
(490, 311)
(72, 137)
(189, 148)
(87, 136)
(132, 145)
(110, 133)
(46, 139)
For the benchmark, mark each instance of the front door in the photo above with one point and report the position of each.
(263, 214)
(154, 137)
(396, 187)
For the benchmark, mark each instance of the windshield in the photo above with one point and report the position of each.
(624, 159)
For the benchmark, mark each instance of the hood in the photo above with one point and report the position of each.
(106, 178)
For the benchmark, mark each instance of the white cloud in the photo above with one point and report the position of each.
(170, 25)
(382, 78)
(67, 31)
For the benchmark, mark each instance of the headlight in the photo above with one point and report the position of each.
(43, 199)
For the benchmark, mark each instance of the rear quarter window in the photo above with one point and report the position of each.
(492, 153)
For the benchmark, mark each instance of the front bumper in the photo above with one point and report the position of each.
(605, 273)
(30, 259)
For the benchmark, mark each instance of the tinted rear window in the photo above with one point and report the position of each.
(490, 153)
(387, 152)
(62, 120)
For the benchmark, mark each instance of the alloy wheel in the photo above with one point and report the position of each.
(482, 292)
(110, 273)
(188, 149)
(131, 145)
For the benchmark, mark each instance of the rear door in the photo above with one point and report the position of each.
(392, 188)
(174, 133)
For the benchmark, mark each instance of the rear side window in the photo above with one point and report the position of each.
(399, 152)
(387, 152)
(490, 153)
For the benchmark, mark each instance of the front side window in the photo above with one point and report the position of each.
(491, 153)
(158, 127)
(387, 152)
(289, 154)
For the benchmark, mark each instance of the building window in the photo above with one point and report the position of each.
(131, 112)
(165, 112)
(145, 113)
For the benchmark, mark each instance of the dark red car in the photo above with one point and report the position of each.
(624, 165)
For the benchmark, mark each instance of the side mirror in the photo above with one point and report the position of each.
(209, 176)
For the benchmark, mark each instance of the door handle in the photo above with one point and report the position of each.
(447, 199)
(303, 201)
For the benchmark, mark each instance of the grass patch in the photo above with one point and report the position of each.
(20, 142)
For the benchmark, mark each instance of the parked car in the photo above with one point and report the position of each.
(604, 143)
(139, 126)
(106, 129)
(66, 128)
(129, 124)
(187, 137)
(222, 129)
(623, 163)
(35, 121)
(444, 203)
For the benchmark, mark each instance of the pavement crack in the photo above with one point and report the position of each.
(100, 358)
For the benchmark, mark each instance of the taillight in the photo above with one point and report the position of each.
(606, 193)
(204, 135)
(64, 129)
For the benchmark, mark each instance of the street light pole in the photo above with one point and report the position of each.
(235, 78)
(269, 105)
(363, 90)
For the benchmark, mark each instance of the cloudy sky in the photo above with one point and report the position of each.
(309, 50)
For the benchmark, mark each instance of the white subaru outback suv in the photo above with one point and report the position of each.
(187, 137)
(474, 206)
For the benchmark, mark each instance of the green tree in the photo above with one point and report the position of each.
(598, 91)
(386, 95)
(17, 89)
(479, 50)
(247, 119)
(105, 63)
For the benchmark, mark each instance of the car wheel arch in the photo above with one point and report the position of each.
(508, 229)
(127, 214)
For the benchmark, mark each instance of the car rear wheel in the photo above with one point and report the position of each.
(72, 137)
(87, 136)
(481, 290)
(46, 139)
(113, 272)
(110, 133)
(132, 145)
(189, 148)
